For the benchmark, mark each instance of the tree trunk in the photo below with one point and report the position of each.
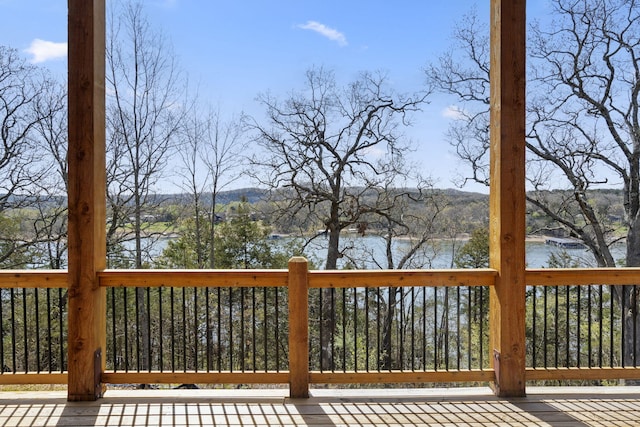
(385, 358)
(144, 348)
(327, 308)
(212, 230)
(630, 327)
(628, 299)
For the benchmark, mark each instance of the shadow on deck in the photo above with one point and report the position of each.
(570, 406)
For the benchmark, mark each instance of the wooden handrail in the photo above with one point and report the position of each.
(33, 279)
(299, 280)
(278, 278)
(400, 278)
(585, 277)
(323, 278)
(193, 278)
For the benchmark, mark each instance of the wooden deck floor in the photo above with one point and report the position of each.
(615, 406)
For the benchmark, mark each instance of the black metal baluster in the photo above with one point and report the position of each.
(470, 315)
(600, 325)
(589, 320)
(321, 331)
(458, 332)
(355, 329)
(545, 338)
(172, 308)
(578, 329)
(435, 328)
(264, 327)
(481, 319)
(195, 329)
(333, 328)
(184, 329)
(366, 328)
(556, 331)
(446, 328)
(49, 331)
(61, 326)
(13, 331)
(277, 329)
(567, 336)
(378, 329)
(253, 327)
(230, 329)
(534, 316)
(126, 328)
(401, 337)
(160, 331)
(149, 346)
(113, 330)
(242, 330)
(25, 331)
(344, 329)
(137, 312)
(413, 329)
(634, 309)
(208, 329)
(219, 327)
(37, 307)
(611, 328)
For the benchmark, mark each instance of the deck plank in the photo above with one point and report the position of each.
(326, 407)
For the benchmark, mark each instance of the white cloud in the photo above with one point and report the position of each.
(453, 112)
(323, 30)
(43, 50)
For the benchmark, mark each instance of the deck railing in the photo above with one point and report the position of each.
(270, 326)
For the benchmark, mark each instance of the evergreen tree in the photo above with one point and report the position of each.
(475, 253)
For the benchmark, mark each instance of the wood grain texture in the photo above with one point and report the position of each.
(87, 195)
(507, 194)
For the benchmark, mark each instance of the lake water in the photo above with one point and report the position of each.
(369, 252)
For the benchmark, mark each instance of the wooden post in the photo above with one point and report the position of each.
(298, 328)
(507, 196)
(86, 198)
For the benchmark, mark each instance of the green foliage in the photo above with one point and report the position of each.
(14, 252)
(573, 326)
(475, 253)
(562, 259)
(240, 242)
(185, 251)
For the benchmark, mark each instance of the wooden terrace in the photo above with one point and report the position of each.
(558, 407)
(87, 282)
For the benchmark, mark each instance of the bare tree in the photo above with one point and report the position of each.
(410, 213)
(583, 118)
(223, 155)
(212, 158)
(50, 225)
(193, 182)
(23, 162)
(144, 112)
(328, 146)
(325, 148)
(143, 119)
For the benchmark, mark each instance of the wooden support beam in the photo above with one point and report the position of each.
(87, 201)
(298, 328)
(507, 196)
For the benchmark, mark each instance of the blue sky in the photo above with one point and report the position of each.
(236, 49)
